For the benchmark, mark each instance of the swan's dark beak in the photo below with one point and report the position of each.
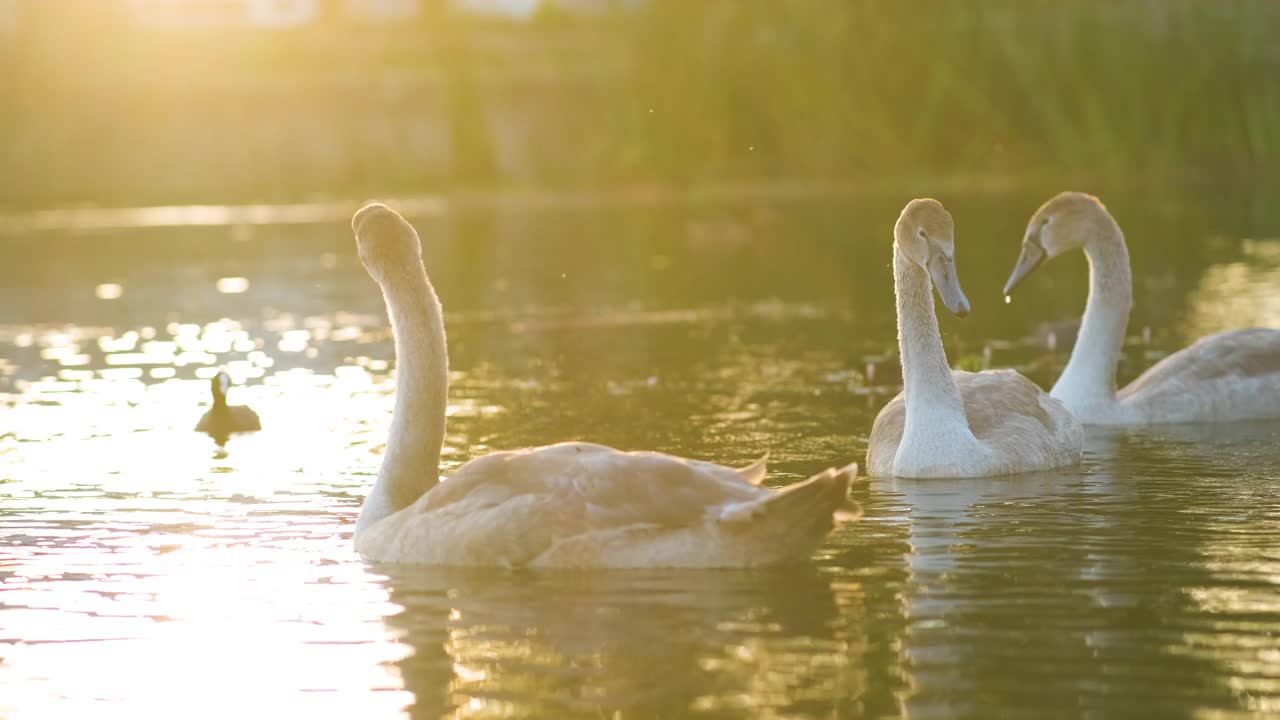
(1030, 259)
(943, 271)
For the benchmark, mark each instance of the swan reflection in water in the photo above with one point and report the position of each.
(650, 643)
(1110, 565)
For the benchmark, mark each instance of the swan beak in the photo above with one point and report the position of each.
(1030, 259)
(943, 271)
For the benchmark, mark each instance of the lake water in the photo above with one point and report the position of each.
(144, 572)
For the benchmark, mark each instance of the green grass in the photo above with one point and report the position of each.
(1110, 88)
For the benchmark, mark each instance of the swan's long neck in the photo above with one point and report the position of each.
(1090, 375)
(933, 401)
(411, 464)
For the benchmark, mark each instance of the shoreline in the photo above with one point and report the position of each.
(441, 204)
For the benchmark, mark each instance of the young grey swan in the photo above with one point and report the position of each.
(574, 504)
(1233, 375)
(222, 419)
(956, 424)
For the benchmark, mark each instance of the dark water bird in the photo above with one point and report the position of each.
(222, 419)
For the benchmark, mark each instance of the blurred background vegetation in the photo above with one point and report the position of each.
(133, 102)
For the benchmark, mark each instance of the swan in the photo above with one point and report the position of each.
(222, 419)
(573, 504)
(1233, 375)
(948, 423)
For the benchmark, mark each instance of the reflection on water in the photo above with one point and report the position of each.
(1241, 293)
(656, 643)
(143, 573)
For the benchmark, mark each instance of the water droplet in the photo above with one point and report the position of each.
(1007, 299)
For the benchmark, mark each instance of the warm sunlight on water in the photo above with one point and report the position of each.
(1240, 293)
(145, 572)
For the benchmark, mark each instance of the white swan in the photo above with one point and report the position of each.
(956, 424)
(1233, 375)
(568, 505)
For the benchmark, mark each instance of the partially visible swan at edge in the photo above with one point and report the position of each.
(222, 419)
(1233, 375)
(948, 423)
(573, 504)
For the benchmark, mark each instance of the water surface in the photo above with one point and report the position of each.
(148, 573)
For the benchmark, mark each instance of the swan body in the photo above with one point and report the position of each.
(1233, 375)
(222, 419)
(950, 423)
(573, 504)
(584, 505)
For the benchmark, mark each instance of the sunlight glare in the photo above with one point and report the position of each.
(108, 291)
(232, 285)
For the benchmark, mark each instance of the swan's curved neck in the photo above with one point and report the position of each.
(1090, 375)
(933, 401)
(411, 463)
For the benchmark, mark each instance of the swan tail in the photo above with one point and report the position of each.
(789, 524)
(815, 504)
(755, 472)
(848, 511)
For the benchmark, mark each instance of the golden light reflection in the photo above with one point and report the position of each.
(108, 291)
(1239, 294)
(138, 567)
(146, 567)
(232, 285)
(669, 642)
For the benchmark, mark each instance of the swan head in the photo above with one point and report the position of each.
(387, 243)
(1066, 222)
(926, 235)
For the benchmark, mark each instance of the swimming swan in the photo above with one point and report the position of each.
(956, 424)
(1233, 375)
(574, 504)
(223, 419)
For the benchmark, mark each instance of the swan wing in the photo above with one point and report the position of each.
(578, 504)
(609, 488)
(993, 396)
(886, 435)
(1235, 355)
(1005, 411)
(652, 488)
(1233, 375)
(1025, 427)
(755, 472)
